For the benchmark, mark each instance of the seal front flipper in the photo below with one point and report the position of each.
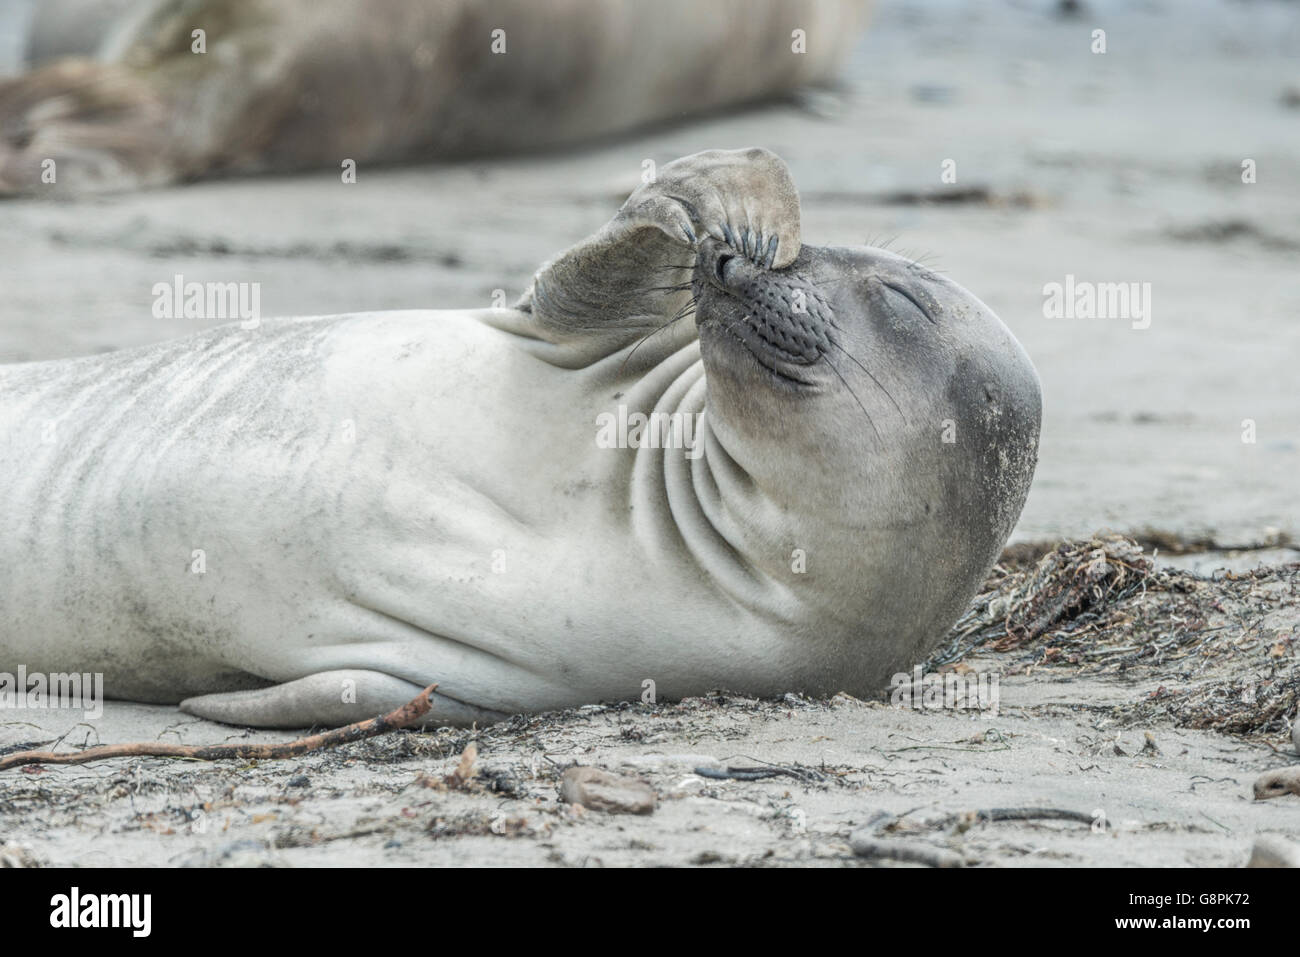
(632, 272)
(330, 699)
(745, 198)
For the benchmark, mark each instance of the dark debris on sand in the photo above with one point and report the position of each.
(1226, 646)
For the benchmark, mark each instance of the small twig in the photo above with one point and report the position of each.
(864, 845)
(739, 774)
(407, 714)
(947, 747)
(758, 774)
(1034, 814)
(1014, 814)
(1226, 829)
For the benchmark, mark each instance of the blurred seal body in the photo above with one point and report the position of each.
(302, 84)
(308, 521)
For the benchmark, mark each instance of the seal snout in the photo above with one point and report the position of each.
(718, 264)
(776, 313)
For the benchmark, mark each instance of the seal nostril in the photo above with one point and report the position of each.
(722, 261)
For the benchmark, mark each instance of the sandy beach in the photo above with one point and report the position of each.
(1146, 701)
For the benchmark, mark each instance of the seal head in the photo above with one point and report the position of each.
(875, 408)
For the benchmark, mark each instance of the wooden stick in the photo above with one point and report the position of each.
(406, 715)
(913, 852)
(1030, 814)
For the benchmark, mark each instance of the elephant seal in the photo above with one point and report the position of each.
(308, 521)
(285, 85)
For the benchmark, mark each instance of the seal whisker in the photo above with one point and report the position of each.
(729, 329)
(855, 397)
(685, 311)
(681, 314)
(927, 264)
(818, 280)
(855, 361)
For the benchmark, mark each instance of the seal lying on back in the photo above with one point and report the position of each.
(301, 84)
(307, 522)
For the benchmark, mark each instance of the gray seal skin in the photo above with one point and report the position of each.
(305, 84)
(386, 500)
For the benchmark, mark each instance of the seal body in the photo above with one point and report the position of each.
(309, 520)
(300, 84)
(337, 493)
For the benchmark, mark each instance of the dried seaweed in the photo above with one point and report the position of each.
(1225, 647)
(1074, 588)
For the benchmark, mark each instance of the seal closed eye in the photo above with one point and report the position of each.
(915, 298)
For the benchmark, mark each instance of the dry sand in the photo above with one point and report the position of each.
(1142, 699)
